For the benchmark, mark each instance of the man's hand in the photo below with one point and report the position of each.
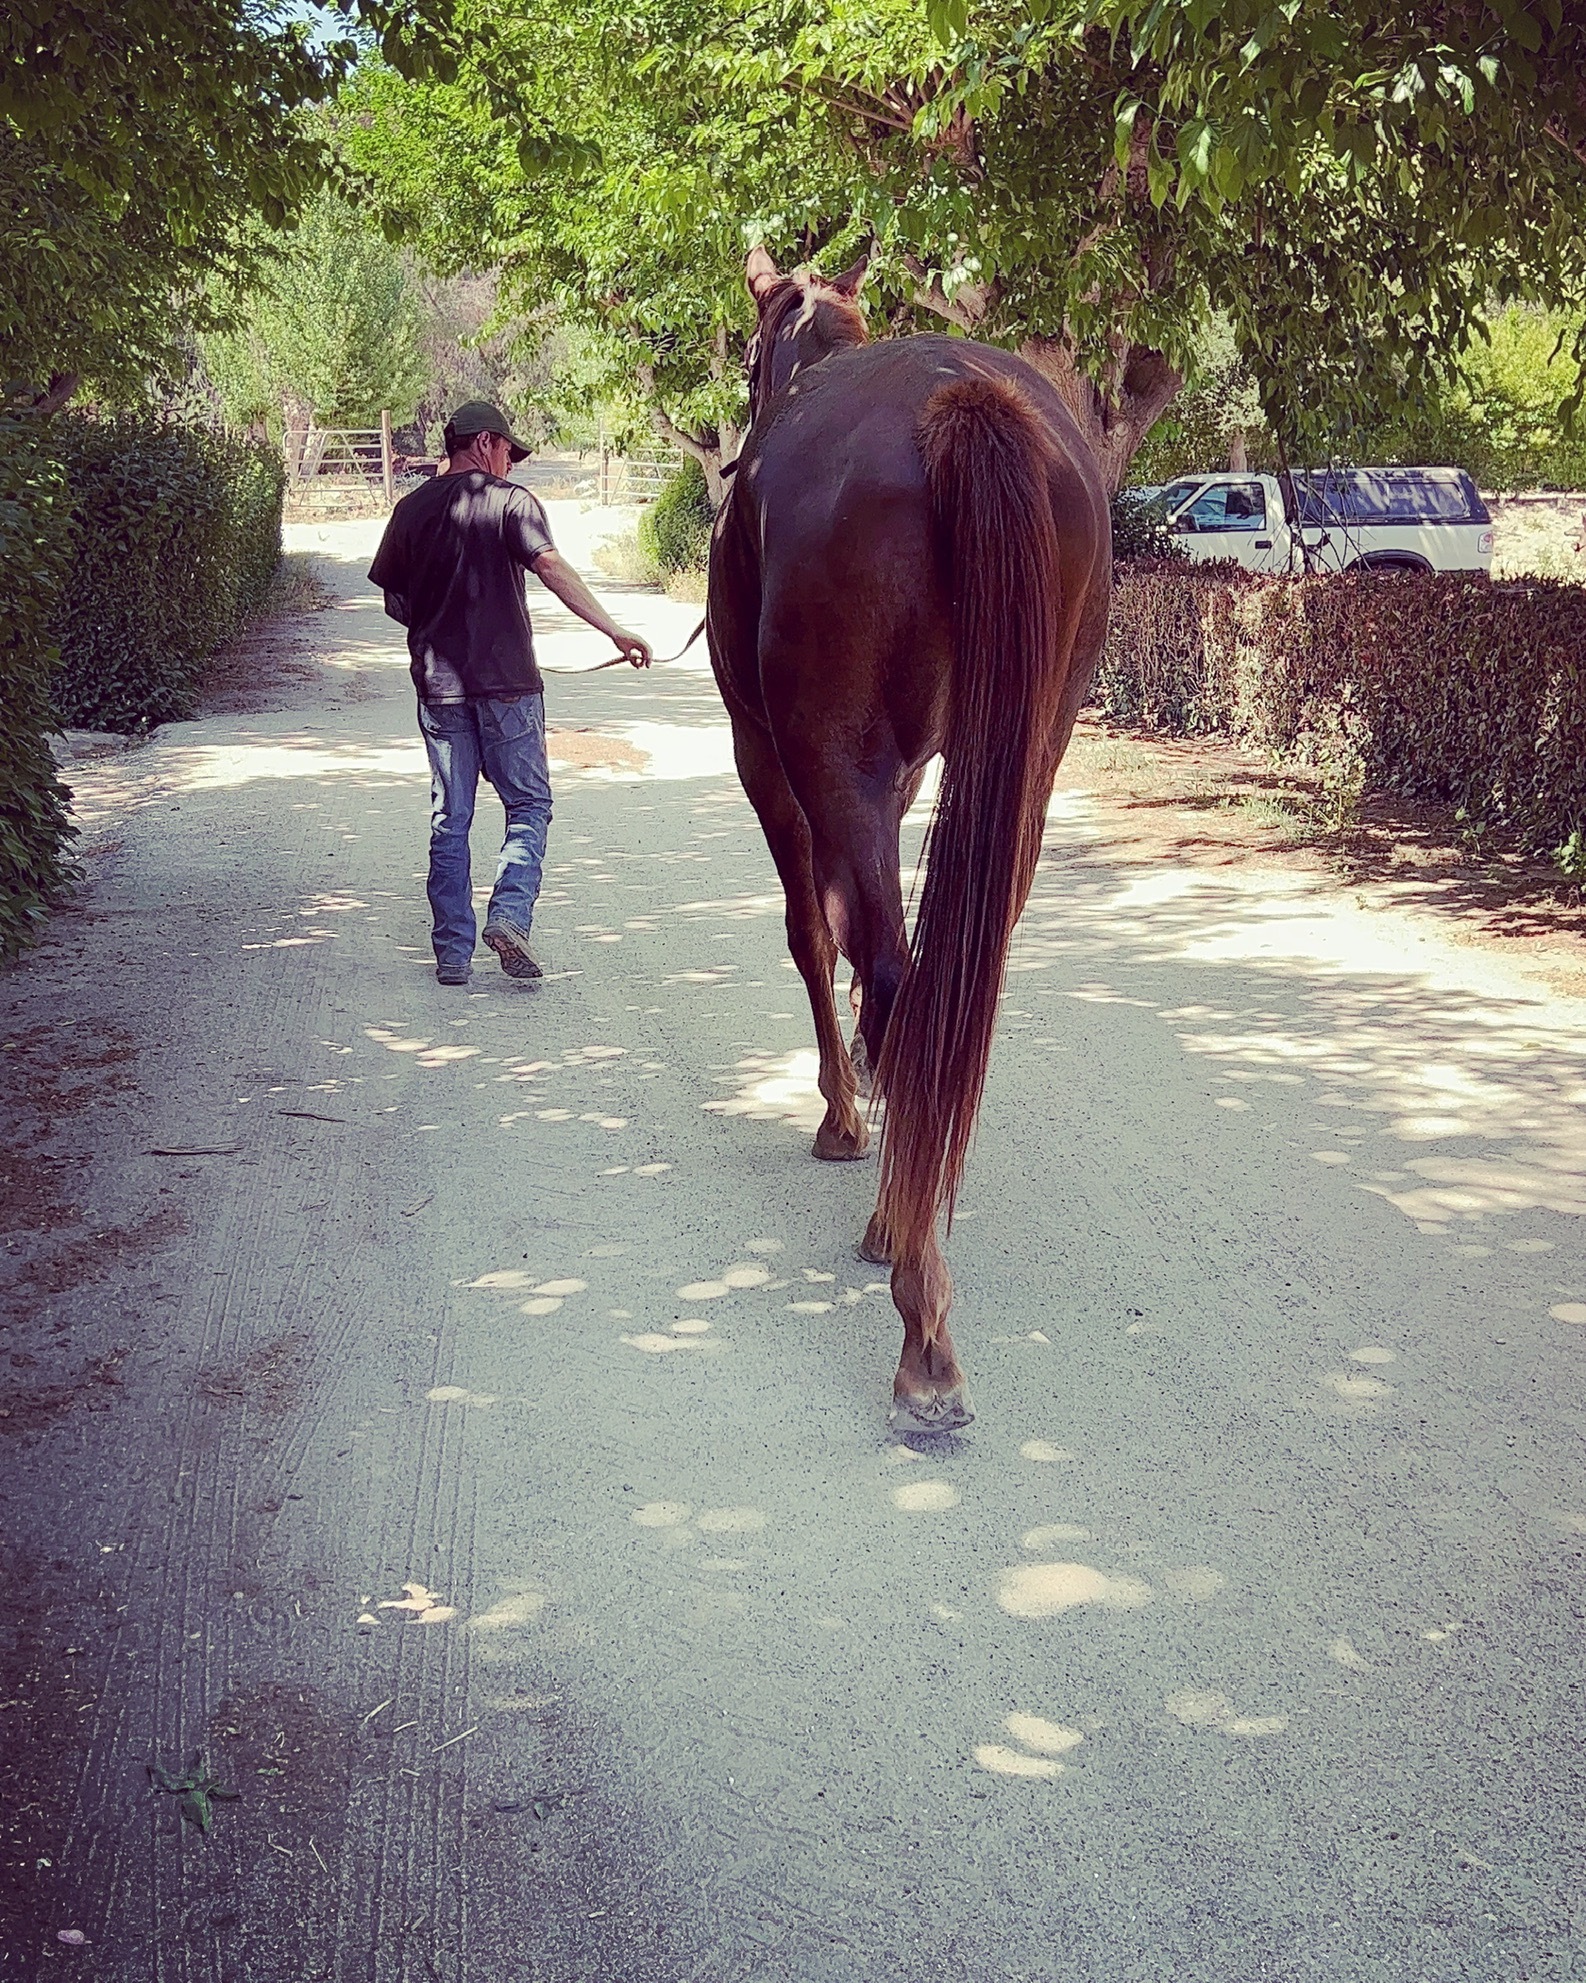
(557, 575)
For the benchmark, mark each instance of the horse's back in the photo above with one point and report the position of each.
(860, 410)
(839, 469)
(832, 595)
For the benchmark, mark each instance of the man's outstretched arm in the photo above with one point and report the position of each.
(557, 575)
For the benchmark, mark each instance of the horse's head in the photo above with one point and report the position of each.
(803, 319)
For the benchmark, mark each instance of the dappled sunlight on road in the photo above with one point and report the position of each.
(662, 751)
(774, 1087)
(1045, 1590)
(210, 767)
(1458, 1100)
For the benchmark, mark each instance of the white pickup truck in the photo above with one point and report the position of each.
(1330, 520)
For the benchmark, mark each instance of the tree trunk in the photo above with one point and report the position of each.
(731, 440)
(710, 453)
(55, 395)
(1114, 414)
(1238, 453)
(297, 421)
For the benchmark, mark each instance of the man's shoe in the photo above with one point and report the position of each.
(453, 974)
(511, 945)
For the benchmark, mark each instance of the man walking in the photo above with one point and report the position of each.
(451, 566)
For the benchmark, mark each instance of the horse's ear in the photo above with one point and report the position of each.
(848, 283)
(761, 274)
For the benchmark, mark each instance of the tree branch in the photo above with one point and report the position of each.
(55, 395)
(704, 452)
(1575, 148)
(966, 309)
(879, 115)
(1114, 417)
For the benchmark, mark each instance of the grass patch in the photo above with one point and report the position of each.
(295, 588)
(624, 557)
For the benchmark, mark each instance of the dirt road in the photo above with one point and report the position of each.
(459, 1414)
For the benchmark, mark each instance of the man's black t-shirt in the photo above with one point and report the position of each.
(451, 564)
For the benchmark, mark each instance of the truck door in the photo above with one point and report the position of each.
(1231, 520)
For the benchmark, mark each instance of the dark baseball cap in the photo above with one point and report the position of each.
(478, 416)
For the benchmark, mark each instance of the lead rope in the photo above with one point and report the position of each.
(657, 661)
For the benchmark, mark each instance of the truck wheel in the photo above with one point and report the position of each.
(1391, 561)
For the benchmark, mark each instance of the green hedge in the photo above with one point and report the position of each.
(177, 533)
(1139, 529)
(35, 555)
(1169, 659)
(129, 550)
(675, 529)
(1444, 688)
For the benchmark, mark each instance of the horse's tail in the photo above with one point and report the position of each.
(985, 462)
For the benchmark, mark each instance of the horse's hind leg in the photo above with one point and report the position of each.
(929, 1393)
(842, 1134)
(858, 1052)
(853, 837)
(854, 845)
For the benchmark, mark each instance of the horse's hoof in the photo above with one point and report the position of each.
(932, 1413)
(876, 1254)
(834, 1146)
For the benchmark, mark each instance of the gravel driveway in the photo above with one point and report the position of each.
(459, 1415)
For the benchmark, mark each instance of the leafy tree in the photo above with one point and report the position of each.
(134, 140)
(331, 333)
(138, 144)
(610, 198)
(1366, 198)
(1504, 416)
(1028, 174)
(980, 154)
(467, 352)
(1464, 121)
(618, 164)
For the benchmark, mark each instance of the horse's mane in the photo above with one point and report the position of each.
(791, 294)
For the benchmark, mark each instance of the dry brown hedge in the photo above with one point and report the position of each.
(1437, 687)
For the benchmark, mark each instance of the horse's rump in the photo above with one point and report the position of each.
(988, 464)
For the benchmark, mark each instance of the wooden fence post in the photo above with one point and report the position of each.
(387, 465)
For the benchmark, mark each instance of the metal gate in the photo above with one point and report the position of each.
(638, 476)
(341, 468)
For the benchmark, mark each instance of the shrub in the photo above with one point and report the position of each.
(1168, 661)
(624, 557)
(35, 554)
(1444, 688)
(177, 532)
(675, 530)
(1435, 687)
(1139, 529)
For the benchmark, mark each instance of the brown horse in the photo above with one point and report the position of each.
(915, 558)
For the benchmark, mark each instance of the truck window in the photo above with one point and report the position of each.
(1174, 494)
(1390, 495)
(1228, 506)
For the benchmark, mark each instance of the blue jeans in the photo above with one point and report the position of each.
(505, 740)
